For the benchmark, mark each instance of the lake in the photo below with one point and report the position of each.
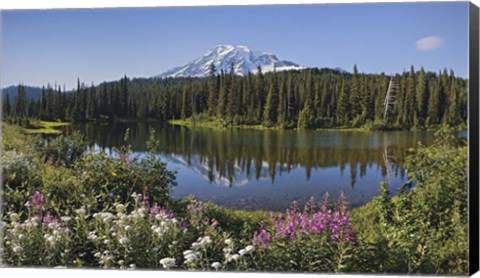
(268, 169)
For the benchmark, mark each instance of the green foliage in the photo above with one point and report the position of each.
(425, 229)
(62, 150)
(307, 98)
(18, 168)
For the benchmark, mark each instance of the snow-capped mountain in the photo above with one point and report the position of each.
(243, 58)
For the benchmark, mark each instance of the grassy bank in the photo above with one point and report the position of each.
(217, 124)
(45, 127)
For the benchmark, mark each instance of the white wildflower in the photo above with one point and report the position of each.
(167, 262)
(128, 228)
(228, 241)
(21, 236)
(196, 245)
(216, 265)
(205, 241)
(187, 252)
(242, 252)
(235, 257)
(190, 258)
(65, 218)
(80, 211)
(92, 236)
(51, 239)
(18, 249)
(124, 240)
(227, 250)
(249, 248)
(120, 207)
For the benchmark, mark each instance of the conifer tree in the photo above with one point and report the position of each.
(271, 105)
(222, 96)
(422, 97)
(20, 103)
(354, 97)
(212, 91)
(306, 116)
(343, 106)
(409, 113)
(6, 106)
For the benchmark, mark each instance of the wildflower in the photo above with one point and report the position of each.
(65, 218)
(249, 248)
(228, 241)
(205, 240)
(18, 249)
(80, 211)
(38, 200)
(21, 236)
(216, 265)
(242, 252)
(51, 239)
(120, 207)
(124, 240)
(196, 245)
(92, 235)
(190, 258)
(128, 228)
(14, 217)
(262, 239)
(167, 262)
(227, 250)
(235, 257)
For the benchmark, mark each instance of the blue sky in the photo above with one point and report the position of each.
(57, 46)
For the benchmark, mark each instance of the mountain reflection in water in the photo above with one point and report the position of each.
(268, 169)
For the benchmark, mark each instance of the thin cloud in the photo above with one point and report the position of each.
(429, 43)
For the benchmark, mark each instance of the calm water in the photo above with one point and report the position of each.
(267, 169)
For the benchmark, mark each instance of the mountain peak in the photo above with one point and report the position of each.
(222, 56)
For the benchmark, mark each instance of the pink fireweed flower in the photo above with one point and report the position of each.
(262, 239)
(341, 227)
(295, 223)
(38, 200)
(157, 211)
(49, 220)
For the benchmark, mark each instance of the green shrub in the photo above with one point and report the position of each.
(62, 150)
(426, 229)
(18, 168)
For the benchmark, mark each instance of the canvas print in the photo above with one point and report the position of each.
(323, 138)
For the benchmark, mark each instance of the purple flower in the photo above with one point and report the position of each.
(50, 219)
(37, 200)
(336, 224)
(156, 210)
(262, 239)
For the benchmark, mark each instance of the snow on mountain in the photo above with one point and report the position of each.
(243, 58)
